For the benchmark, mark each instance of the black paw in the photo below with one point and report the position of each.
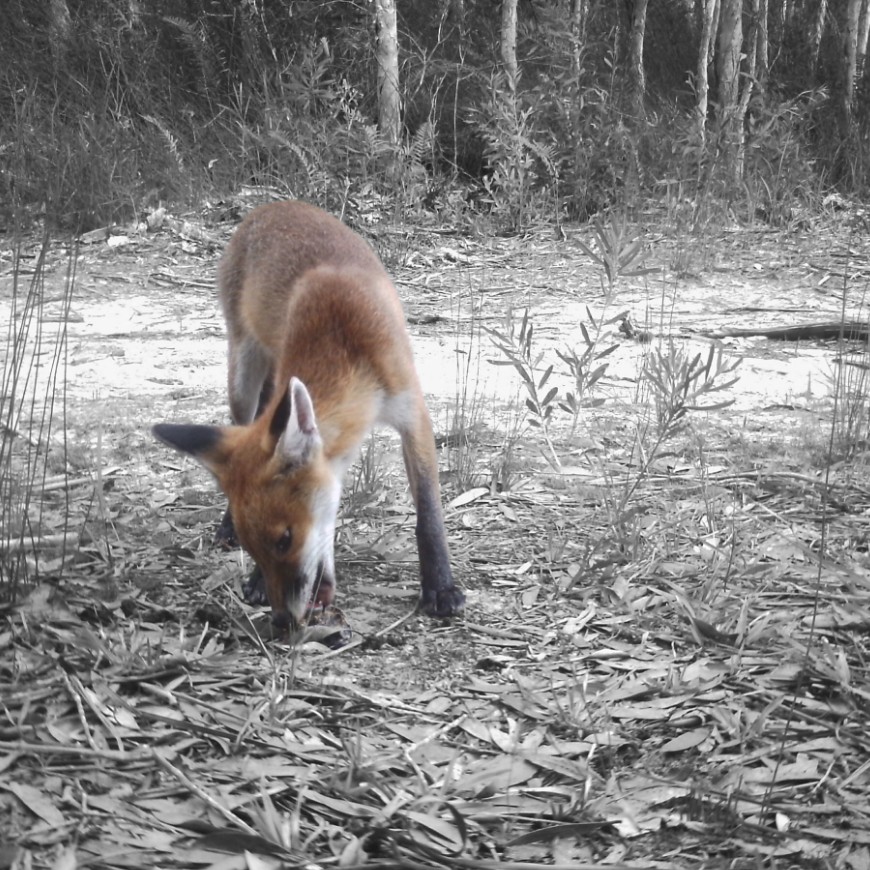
(254, 589)
(443, 601)
(225, 536)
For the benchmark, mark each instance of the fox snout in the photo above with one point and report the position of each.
(290, 533)
(301, 583)
(293, 597)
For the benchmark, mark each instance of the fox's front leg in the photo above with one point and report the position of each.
(439, 595)
(250, 374)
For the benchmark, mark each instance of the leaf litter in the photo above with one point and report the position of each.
(686, 687)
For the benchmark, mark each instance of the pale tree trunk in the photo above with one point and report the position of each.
(863, 33)
(509, 41)
(728, 69)
(749, 84)
(635, 57)
(763, 43)
(579, 16)
(728, 56)
(849, 65)
(816, 30)
(702, 85)
(389, 101)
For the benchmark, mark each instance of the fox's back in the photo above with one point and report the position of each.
(315, 296)
(272, 248)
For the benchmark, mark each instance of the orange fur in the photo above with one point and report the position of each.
(313, 317)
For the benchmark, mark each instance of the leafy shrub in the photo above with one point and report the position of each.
(520, 156)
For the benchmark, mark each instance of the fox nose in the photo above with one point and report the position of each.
(283, 621)
(296, 610)
(299, 599)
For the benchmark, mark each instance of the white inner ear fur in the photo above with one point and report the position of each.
(300, 436)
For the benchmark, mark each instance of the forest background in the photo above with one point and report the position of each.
(523, 111)
(664, 657)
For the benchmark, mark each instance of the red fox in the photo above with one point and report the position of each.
(318, 355)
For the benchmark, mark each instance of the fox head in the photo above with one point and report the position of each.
(283, 495)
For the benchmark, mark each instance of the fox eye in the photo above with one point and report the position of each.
(283, 543)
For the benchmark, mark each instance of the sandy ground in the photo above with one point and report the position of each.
(145, 326)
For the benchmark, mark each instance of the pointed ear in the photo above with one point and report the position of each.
(295, 426)
(203, 443)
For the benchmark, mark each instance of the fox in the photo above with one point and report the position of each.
(318, 355)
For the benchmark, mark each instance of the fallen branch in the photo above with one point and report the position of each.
(829, 331)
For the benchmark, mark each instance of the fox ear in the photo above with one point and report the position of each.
(295, 426)
(203, 443)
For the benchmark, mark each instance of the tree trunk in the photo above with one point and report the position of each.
(509, 41)
(579, 16)
(707, 10)
(763, 43)
(389, 101)
(849, 62)
(816, 30)
(728, 69)
(635, 57)
(728, 56)
(863, 33)
(749, 81)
